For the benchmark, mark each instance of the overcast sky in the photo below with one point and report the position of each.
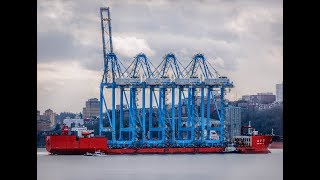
(243, 39)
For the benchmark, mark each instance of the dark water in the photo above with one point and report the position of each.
(149, 167)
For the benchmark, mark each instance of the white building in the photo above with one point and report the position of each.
(279, 92)
(232, 121)
(78, 122)
(52, 120)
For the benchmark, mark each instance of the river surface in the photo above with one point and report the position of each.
(150, 167)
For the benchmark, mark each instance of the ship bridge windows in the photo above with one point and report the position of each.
(242, 141)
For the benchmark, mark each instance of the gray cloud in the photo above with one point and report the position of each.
(242, 38)
(55, 47)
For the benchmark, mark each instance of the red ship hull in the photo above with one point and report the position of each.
(257, 144)
(166, 150)
(66, 144)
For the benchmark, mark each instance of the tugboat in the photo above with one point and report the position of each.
(231, 149)
(99, 153)
(96, 153)
(88, 154)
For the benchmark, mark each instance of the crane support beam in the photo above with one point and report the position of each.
(159, 106)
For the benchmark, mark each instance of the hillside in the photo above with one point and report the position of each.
(265, 120)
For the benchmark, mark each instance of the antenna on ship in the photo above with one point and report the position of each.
(249, 128)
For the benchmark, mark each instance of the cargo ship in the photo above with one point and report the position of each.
(85, 142)
(277, 142)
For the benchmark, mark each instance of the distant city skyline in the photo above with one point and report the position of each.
(242, 39)
(117, 104)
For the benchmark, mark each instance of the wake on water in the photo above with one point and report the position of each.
(42, 153)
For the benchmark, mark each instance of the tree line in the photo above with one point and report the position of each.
(264, 120)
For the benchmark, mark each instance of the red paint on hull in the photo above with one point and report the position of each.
(210, 150)
(259, 144)
(121, 151)
(166, 150)
(150, 150)
(65, 144)
(250, 150)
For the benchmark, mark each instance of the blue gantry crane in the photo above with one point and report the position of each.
(172, 113)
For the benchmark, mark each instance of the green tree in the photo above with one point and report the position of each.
(57, 128)
(264, 120)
